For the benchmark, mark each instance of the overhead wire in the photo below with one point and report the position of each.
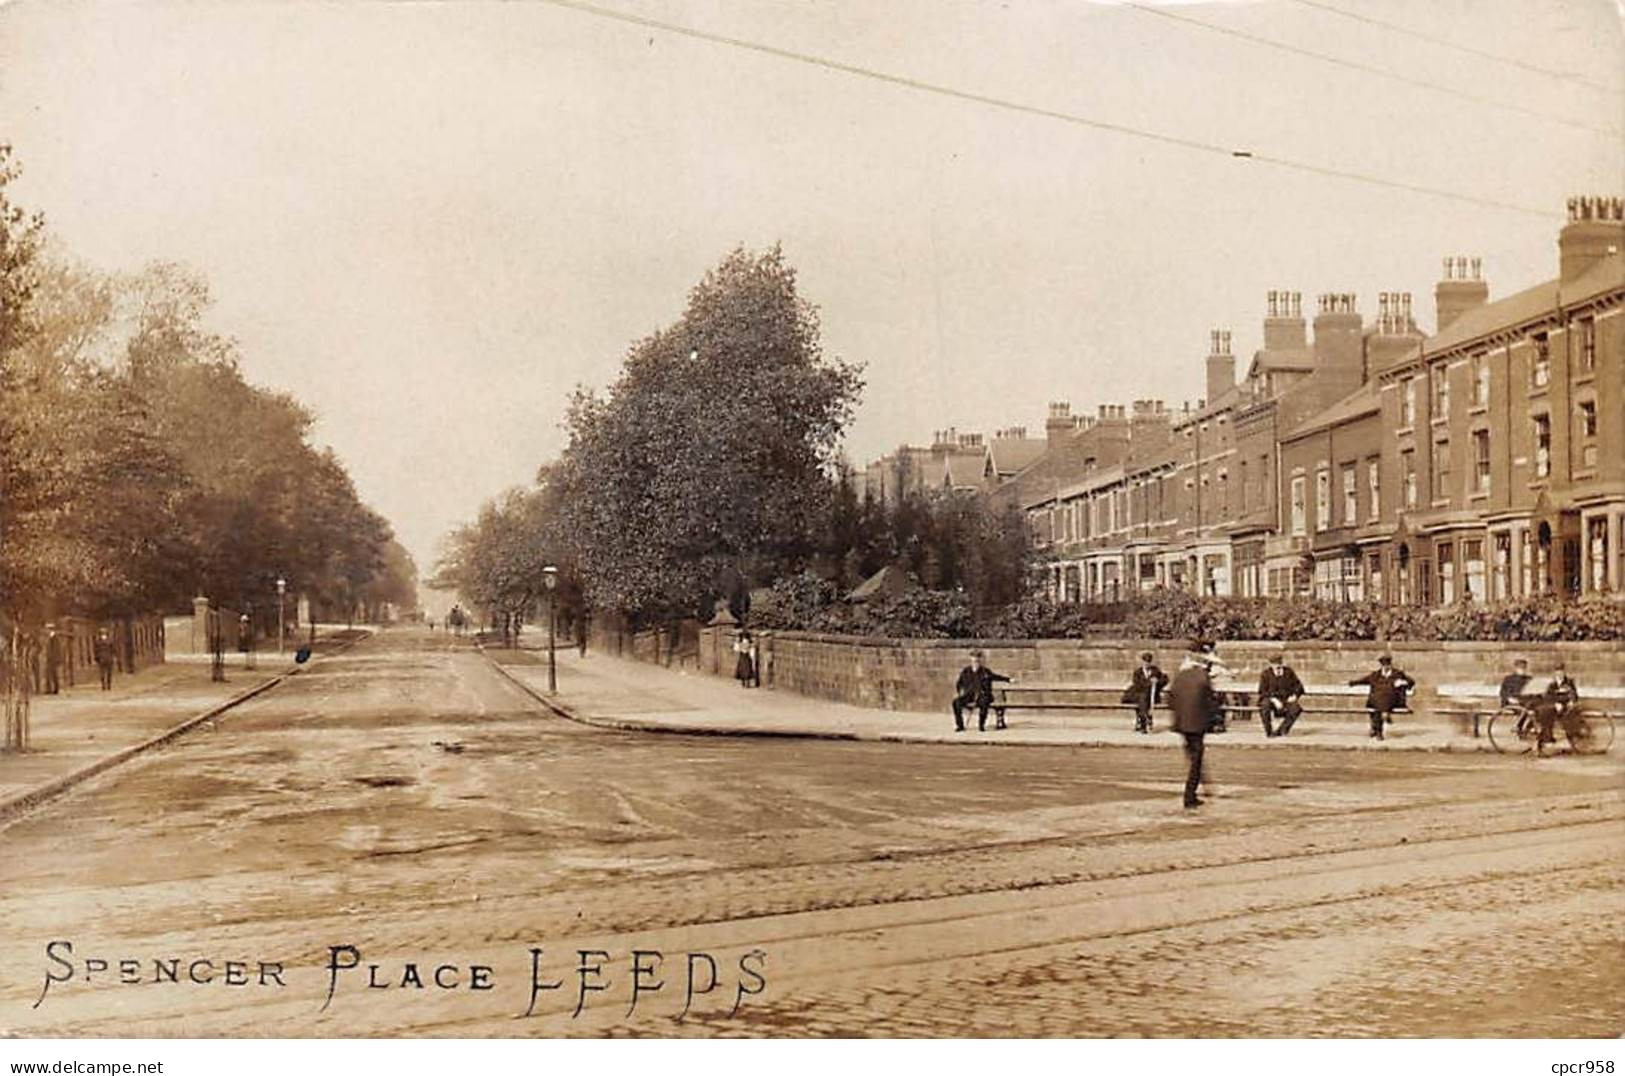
(1009, 105)
(1371, 69)
(1444, 42)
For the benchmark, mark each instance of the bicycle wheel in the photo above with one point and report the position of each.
(1592, 733)
(1511, 736)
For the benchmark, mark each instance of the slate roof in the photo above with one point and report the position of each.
(1607, 275)
(1362, 401)
(1013, 454)
(963, 467)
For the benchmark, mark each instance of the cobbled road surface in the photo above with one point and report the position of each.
(405, 800)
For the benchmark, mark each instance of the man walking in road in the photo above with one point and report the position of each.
(1279, 692)
(975, 687)
(103, 652)
(1195, 706)
(1386, 692)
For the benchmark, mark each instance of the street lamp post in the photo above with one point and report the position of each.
(550, 578)
(281, 589)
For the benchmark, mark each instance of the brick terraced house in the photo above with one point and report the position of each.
(1354, 462)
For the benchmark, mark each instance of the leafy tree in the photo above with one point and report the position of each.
(710, 455)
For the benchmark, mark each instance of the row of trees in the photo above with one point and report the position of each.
(711, 466)
(138, 467)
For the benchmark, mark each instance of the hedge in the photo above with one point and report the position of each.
(806, 602)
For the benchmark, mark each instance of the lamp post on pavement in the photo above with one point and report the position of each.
(281, 589)
(550, 578)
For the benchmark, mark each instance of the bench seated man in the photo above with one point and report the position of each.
(1279, 695)
(975, 688)
(1558, 702)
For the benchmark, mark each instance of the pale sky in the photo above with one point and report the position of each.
(429, 222)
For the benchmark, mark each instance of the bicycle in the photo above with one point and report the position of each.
(1515, 730)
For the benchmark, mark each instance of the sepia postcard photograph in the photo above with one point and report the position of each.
(817, 520)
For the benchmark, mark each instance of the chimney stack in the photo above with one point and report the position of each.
(1221, 364)
(1460, 289)
(1338, 344)
(1394, 314)
(1283, 322)
(1596, 229)
(1060, 422)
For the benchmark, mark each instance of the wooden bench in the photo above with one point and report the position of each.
(1239, 698)
(1037, 695)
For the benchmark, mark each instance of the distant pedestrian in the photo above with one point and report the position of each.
(975, 688)
(1145, 691)
(1197, 708)
(103, 652)
(1387, 687)
(53, 660)
(745, 662)
(1279, 695)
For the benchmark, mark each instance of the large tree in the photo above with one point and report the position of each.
(709, 458)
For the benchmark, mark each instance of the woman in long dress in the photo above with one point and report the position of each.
(744, 666)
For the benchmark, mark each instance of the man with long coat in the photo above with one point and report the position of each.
(1195, 705)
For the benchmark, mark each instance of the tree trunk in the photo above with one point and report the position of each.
(18, 691)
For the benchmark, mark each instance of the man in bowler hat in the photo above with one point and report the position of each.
(975, 687)
(1386, 688)
(104, 654)
(1279, 692)
(1145, 690)
(1557, 703)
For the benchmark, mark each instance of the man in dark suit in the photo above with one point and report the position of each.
(1385, 693)
(53, 660)
(1195, 706)
(975, 687)
(1279, 692)
(1514, 684)
(1145, 691)
(105, 655)
(1559, 701)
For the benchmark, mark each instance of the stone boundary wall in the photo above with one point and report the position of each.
(918, 674)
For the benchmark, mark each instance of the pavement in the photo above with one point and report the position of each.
(612, 692)
(84, 730)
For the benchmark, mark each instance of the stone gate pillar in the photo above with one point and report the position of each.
(200, 625)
